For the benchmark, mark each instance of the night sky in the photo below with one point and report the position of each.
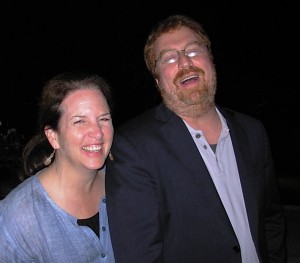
(254, 45)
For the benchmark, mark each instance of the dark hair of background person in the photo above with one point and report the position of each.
(38, 148)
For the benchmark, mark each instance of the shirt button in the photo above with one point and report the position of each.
(205, 147)
(103, 228)
(236, 249)
(103, 255)
(104, 200)
(198, 135)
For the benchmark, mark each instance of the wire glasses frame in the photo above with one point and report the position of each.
(191, 50)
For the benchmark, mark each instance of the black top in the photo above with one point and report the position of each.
(92, 223)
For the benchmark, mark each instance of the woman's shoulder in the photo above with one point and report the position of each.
(19, 198)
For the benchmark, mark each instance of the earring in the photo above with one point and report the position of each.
(49, 159)
(111, 156)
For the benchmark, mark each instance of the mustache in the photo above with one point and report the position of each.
(183, 72)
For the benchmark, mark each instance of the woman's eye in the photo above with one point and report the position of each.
(104, 119)
(78, 121)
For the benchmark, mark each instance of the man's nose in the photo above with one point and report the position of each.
(184, 61)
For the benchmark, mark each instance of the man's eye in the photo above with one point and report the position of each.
(192, 53)
(171, 58)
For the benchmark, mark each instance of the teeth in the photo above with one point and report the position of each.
(92, 148)
(190, 77)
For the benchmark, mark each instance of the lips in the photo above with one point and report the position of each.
(92, 148)
(189, 79)
(188, 75)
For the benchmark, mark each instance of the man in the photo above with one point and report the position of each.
(190, 181)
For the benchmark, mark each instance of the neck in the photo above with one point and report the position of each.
(79, 197)
(210, 124)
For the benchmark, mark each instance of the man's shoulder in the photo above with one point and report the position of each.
(229, 113)
(147, 117)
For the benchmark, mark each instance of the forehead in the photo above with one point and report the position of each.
(177, 39)
(84, 98)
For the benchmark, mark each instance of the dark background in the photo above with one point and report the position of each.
(255, 45)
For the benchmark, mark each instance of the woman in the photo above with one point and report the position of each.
(58, 214)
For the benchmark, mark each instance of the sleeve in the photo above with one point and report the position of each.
(275, 224)
(132, 205)
(11, 238)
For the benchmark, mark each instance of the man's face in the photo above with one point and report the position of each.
(186, 79)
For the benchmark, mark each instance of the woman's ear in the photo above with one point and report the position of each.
(52, 137)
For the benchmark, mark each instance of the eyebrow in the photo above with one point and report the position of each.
(170, 49)
(105, 114)
(81, 116)
(190, 43)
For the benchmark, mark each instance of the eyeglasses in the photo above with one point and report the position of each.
(191, 50)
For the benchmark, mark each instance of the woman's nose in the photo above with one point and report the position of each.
(96, 131)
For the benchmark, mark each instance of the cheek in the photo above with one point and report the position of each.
(207, 65)
(109, 131)
(210, 72)
(166, 78)
(169, 72)
(73, 136)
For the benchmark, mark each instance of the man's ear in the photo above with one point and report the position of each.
(52, 137)
(157, 84)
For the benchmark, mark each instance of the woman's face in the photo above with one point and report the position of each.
(85, 130)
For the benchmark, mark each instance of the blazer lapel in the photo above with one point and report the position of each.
(183, 145)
